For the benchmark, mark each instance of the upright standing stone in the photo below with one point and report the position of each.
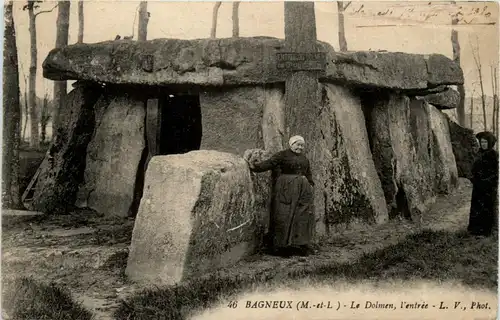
(423, 141)
(404, 179)
(57, 185)
(446, 168)
(113, 157)
(242, 108)
(465, 147)
(273, 119)
(353, 189)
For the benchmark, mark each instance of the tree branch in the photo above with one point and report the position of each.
(347, 5)
(46, 11)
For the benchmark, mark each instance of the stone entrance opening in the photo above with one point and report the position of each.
(180, 123)
(173, 126)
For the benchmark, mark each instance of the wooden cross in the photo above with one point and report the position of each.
(303, 94)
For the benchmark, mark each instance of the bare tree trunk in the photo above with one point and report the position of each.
(497, 103)
(483, 100)
(494, 87)
(142, 31)
(341, 27)
(213, 30)
(34, 136)
(472, 112)
(11, 196)
(236, 19)
(81, 21)
(44, 118)
(60, 87)
(26, 109)
(456, 57)
(477, 60)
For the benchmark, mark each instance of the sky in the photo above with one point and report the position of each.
(409, 26)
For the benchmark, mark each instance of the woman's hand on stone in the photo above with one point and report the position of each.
(249, 164)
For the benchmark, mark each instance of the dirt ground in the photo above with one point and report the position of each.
(87, 253)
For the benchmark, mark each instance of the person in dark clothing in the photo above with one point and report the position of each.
(483, 218)
(292, 216)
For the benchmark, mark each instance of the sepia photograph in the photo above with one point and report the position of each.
(249, 160)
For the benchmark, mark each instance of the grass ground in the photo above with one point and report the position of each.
(87, 254)
(82, 252)
(25, 298)
(427, 255)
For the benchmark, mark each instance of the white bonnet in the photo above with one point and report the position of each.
(295, 139)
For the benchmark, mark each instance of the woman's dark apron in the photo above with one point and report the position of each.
(292, 218)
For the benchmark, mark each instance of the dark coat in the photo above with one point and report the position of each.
(292, 215)
(483, 217)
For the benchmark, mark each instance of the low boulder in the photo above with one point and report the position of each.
(198, 212)
(263, 188)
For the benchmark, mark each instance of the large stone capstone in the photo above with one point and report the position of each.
(239, 61)
(198, 212)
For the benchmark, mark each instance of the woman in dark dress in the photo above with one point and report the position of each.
(292, 217)
(483, 218)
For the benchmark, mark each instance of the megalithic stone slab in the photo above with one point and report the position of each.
(113, 156)
(241, 61)
(347, 173)
(465, 147)
(445, 163)
(197, 213)
(57, 185)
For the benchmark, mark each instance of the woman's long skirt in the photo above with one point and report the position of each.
(483, 216)
(292, 218)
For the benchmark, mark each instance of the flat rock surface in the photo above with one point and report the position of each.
(239, 61)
